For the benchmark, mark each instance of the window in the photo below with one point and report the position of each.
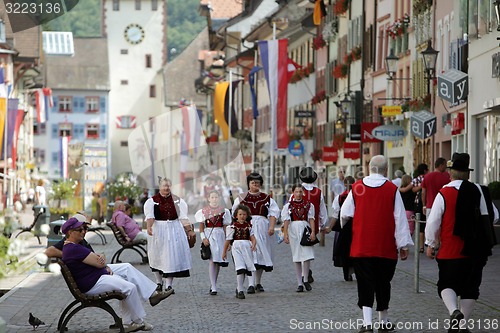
(39, 129)
(124, 82)
(137, 4)
(65, 103)
(39, 155)
(92, 131)
(116, 5)
(154, 5)
(149, 61)
(92, 104)
(152, 90)
(65, 129)
(123, 51)
(123, 143)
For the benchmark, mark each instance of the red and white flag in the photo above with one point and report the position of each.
(274, 55)
(292, 66)
(44, 101)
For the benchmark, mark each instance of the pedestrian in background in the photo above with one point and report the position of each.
(379, 231)
(343, 236)
(264, 212)
(408, 196)
(240, 237)
(40, 193)
(432, 183)
(213, 220)
(461, 225)
(167, 224)
(397, 181)
(296, 215)
(337, 184)
(422, 169)
(98, 208)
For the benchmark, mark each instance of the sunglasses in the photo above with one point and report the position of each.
(80, 229)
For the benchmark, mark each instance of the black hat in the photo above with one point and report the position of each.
(460, 162)
(308, 175)
(254, 176)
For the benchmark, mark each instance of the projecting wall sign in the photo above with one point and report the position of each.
(389, 132)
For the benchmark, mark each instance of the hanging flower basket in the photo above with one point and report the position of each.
(318, 42)
(340, 71)
(302, 73)
(317, 155)
(421, 6)
(341, 6)
(338, 141)
(319, 97)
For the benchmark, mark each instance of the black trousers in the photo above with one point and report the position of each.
(464, 276)
(374, 277)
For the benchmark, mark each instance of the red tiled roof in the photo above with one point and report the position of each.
(223, 9)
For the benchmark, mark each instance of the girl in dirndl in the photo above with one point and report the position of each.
(297, 214)
(213, 220)
(240, 235)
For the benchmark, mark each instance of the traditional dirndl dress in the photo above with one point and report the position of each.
(297, 212)
(214, 219)
(262, 207)
(239, 234)
(168, 248)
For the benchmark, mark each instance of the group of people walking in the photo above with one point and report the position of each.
(373, 229)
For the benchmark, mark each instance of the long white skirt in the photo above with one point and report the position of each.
(299, 253)
(168, 248)
(216, 237)
(242, 255)
(265, 245)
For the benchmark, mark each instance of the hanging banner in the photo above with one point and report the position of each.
(366, 132)
(352, 150)
(330, 154)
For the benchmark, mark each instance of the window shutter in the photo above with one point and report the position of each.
(55, 130)
(102, 104)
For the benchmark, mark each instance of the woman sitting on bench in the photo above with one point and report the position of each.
(93, 276)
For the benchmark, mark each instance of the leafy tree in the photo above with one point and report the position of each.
(84, 20)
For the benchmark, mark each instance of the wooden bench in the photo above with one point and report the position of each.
(98, 231)
(30, 228)
(136, 246)
(86, 301)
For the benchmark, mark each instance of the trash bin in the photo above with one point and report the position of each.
(55, 234)
(42, 219)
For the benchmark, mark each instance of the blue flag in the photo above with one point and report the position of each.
(251, 80)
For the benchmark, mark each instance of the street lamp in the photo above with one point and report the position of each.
(430, 58)
(391, 65)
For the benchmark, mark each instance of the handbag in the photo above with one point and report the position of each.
(191, 240)
(306, 237)
(205, 251)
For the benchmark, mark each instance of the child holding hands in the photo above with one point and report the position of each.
(240, 235)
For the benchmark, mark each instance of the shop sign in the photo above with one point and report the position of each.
(366, 132)
(389, 133)
(423, 124)
(458, 124)
(296, 148)
(391, 110)
(330, 154)
(352, 150)
(304, 114)
(453, 86)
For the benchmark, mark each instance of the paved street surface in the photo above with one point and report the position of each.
(329, 307)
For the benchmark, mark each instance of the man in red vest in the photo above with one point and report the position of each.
(379, 231)
(461, 220)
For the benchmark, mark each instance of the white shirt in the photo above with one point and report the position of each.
(149, 210)
(285, 213)
(336, 207)
(402, 230)
(434, 219)
(337, 186)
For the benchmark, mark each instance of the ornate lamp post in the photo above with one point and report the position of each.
(430, 58)
(391, 65)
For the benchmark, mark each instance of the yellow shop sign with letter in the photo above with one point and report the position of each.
(391, 110)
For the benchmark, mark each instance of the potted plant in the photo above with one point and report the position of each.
(125, 187)
(62, 191)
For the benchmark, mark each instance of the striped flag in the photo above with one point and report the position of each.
(251, 82)
(274, 55)
(64, 156)
(221, 108)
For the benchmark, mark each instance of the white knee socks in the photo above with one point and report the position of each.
(298, 272)
(450, 299)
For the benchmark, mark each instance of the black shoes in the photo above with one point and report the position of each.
(170, 288)
(300, 289)
(240, 295)
(386, 327)
(251, 290)
(259, 288)
(159, 286)
(366, 329)
(310, 278)
(455, 319)
(307, 285)
(213, 293)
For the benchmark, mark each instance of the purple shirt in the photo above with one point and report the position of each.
(120, 219)
(85, 275)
